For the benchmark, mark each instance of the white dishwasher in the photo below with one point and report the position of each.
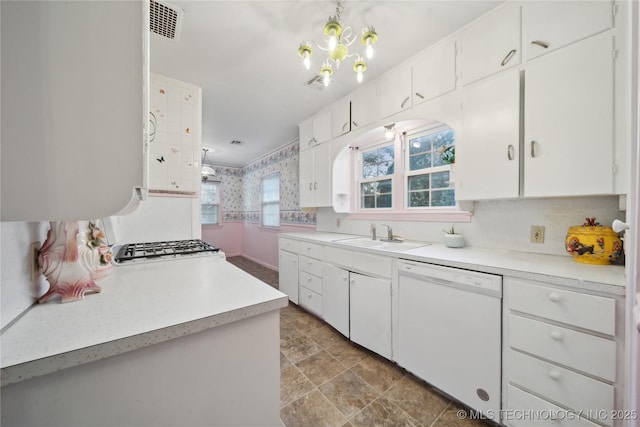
(449, 331)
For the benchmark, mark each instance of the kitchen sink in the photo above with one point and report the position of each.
(367, 242)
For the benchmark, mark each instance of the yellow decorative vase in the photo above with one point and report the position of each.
(592, 243)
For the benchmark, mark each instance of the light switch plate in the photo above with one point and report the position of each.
(537, 234)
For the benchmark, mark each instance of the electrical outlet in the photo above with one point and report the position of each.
(537, 234)
(34, 248)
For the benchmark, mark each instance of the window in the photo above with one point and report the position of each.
(271, 200)
(409, 175)
(210, 202)
(376, 189)
(428, 176)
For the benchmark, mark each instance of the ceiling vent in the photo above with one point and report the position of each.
(236, 142)
(315, 82)
(165, 20)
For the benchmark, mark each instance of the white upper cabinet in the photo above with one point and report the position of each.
(491, 45)
(569, 138)
(364, 106)
(315, 176)
(74, 108)
(488, 159)
(315, 130)
(340, 118)
(549, 25)
(434, 72)
(395, 91)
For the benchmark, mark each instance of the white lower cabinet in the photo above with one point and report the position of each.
(288, 268)
(370, 309)
(310, 281)
(335, 297)
(561, 355)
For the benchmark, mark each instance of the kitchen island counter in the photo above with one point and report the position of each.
(203, 308)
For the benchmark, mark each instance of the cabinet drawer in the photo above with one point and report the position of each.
(372, 264)
(586, 311)
(311, 282)
(310, 249)
(577, 350)
(341, 257)
(288, 245)
(520, 403)
(310, 265)
(311, 301)
(558, 384)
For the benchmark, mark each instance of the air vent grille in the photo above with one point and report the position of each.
(236, 142)
(315, 82)
(164, 20)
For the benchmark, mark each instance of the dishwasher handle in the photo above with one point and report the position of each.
(473, 281)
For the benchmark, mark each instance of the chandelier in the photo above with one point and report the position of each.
(337, 40)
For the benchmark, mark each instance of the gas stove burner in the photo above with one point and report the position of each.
(144, 252)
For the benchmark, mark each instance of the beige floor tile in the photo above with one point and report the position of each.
(326, 336)
(288, 331)
(320, 367)
(299, 348)
(284, 362)
(306, 322)
(311, 410)
(382, 413)
(457, 416)
(378, 372)
(293, 385)
(349, 393)
(417, 399)
(347, 353)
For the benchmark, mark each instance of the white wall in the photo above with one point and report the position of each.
(503, 224)
(17, 291)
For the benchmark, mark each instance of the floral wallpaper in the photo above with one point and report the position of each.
(241, 188)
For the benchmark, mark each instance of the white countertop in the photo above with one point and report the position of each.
(139, 305)
(559, 270)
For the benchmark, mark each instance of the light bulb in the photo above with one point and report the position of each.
(369, 49)
(359, 76)
(325, 79)
(333, 41)
(307, 60)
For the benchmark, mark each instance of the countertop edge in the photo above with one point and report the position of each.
(24, 371)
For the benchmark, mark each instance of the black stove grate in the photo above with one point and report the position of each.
(168, 249)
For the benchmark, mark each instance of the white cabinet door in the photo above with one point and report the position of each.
(434, 72)
(322, 126)
(488, 159)
(340, 118)
(288, 275)
(370, 307)
(569, 121)
(315, 176)
(335, 297)
(395, 91)
(491, 44)
(305, 130)
(74, 108)
(547, 26)
(307, 193)
(364, 106)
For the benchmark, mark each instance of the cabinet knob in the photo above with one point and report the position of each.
(556, 335)
(554, 297)
(508, 57)
(540, 43)
(554, 375)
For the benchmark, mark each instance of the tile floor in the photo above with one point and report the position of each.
(326, 380)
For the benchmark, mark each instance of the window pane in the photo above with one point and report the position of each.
(368, 202)
(440, 180)
(443, 198)
(420, 161)
(209, 202)
(209, 214)
(384, 186)
(419, 182)
(420, 145)
(368, 188)
(419, 199)
(271, 189)
(378, 162)
(271, 201)
(384, 201)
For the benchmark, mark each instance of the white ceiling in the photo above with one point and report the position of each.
(244, 56)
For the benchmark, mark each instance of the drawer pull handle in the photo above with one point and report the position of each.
(554, 297)
(554, 375)
(556, 335)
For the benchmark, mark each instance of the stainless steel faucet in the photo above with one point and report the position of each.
(373, 232)
(389, 233)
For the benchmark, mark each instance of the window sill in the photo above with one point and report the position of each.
(439, 216)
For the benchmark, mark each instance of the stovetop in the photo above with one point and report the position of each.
(154, 251)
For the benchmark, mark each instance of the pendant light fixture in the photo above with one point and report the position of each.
(206, 171)
(336, 42)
